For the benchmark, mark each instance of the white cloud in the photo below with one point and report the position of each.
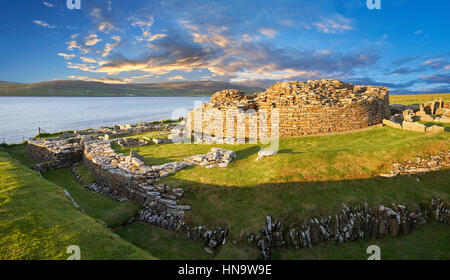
(269, 32)
(143, 23)
(88, 59)
(105, 27)
(109, 47)
(106, 80)
(43, 24)
(92, 40)
(433, 61)
(176, 77)
(156, 37)
(331, 26)
(66, 56)
(50, 5)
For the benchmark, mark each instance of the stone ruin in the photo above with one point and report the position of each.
(131, 142)
(121, 176)
(67, 149)
(54, 153)
(305, 108)
(407, 117)
(216, 158)
(127, 177)
(420, 165)
(127, 129)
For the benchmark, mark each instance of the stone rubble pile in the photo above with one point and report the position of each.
(131, 142)
(319, 92)
(439, 211)
(218, 157)
(211, 238)
(229, 97)
(355, 222)
(106, 191)
(159, 141)
(76, 175)
(420, 165)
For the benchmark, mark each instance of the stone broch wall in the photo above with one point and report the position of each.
(305, 108)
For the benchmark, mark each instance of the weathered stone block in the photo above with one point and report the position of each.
(393, 124)
(413, 126)
(435, 128)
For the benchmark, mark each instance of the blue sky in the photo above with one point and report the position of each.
(404, 45)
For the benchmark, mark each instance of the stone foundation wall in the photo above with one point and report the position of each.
(54, 153)
(355, 222)
(304, 108)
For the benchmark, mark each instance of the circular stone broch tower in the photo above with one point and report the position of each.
(304, 108)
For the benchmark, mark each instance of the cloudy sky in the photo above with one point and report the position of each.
(405, 45)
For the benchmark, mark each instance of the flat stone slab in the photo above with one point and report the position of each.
(413, 126)
(435, 129)
(392, 124)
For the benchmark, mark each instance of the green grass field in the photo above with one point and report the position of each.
(417, 98)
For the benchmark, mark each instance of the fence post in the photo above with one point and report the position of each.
(39, 131)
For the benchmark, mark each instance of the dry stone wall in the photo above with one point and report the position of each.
(354, 222)
(54, 153)
(55, 149)
(127, 129)
(305, 108)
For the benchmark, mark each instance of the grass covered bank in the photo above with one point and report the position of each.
(37, 221)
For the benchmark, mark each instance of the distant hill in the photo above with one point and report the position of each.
(85, 88)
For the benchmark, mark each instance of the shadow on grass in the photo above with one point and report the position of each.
(289, 151)
(245, 208)
(247, 152)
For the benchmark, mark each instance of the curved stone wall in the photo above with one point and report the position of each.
(304, 108)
